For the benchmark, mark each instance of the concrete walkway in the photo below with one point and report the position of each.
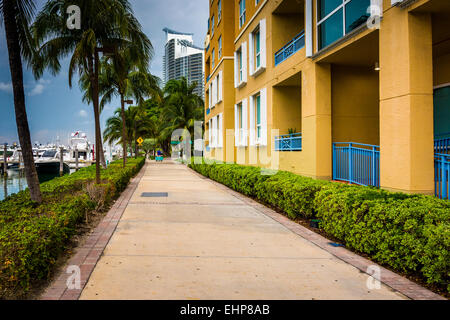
(203, 242)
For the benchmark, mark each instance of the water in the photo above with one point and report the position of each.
(16, 182)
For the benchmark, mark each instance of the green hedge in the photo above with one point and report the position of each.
(410, 233)
(32, 237)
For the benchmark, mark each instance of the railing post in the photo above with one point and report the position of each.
(334, 161)
(373, 167)
(444, 178)
(350, 163)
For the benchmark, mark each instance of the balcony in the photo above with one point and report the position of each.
(290, 48)
(289, 142)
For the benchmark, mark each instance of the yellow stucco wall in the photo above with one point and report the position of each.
(355, 104)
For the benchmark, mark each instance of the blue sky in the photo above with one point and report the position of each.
(56, 110)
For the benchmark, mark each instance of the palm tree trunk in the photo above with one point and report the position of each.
(23, 130)
(135, 140)
(93, 70)
(124, 131)
(102, 154)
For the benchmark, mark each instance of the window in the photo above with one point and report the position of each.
(256, 2)
(336, 18)
(220, 48)
(217, 84)
(213, 52)
(241, 13)
(258, 117)
(219, 10)
(212, 26)
(240, 123)
(257, 49)
(257, 44)
(240, 65)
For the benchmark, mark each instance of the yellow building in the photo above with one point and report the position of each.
(351, 90)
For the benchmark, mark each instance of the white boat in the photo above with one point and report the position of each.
(49, 162)
(78, 142)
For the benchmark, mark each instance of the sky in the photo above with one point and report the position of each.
(55, 110)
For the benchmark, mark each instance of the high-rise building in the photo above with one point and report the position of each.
(183, 59)
(349, 90)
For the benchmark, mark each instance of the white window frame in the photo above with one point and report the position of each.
(219, 87)
(254, 70)
(213, 59)
(240, 73)
(220, 130)
(219, 52)
(212, 27)
(240, 133)
(219, 11)
(262, 140)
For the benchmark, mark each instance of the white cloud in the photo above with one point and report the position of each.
(39, 87)
(6, 87)
(83, 114)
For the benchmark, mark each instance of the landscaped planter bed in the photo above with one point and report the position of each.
(33, 237)
(408, 233)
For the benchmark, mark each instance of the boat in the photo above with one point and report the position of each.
(49, 161)
(78, 142)
(14, 159)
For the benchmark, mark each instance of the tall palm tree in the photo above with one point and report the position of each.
(106, 25)
(16, 17)
(182, 107)
(126, 76)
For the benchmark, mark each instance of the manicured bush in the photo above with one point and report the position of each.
(32, 237)
(409, 233)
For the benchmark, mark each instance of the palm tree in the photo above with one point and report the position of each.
(182, 107)
(126, 76)
(85, 85)
(133, 115)
(16, 17)
(106, 26)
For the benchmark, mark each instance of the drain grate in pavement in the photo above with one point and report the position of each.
(154, 194)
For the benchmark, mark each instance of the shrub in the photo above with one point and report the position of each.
(32, 237)
(410, 233)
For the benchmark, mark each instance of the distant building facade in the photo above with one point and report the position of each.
(183, 59)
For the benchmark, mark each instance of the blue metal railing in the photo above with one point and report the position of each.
(289, 142)
(356, 163)
(442, 175)
(442, 145)
(289, 49)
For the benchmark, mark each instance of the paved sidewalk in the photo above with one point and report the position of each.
(204, 242)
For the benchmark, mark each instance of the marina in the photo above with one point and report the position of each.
(51, 161)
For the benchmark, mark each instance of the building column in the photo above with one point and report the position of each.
(316, 119)
(406, 102)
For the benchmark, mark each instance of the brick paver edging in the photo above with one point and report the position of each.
(398, 283)
(87, 256)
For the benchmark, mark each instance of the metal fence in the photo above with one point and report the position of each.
(356, 163)
(442, 145)
(289, 49)
(442, 175)
(289, 142)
